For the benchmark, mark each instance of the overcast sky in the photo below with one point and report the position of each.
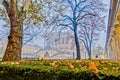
(102, 39)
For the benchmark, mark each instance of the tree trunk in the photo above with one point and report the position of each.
(14, 46)
(77, 45)
(89, 55)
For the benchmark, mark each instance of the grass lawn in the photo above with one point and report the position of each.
(60, 70)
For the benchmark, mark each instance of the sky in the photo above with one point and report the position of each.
(40, 41)
(102, 39)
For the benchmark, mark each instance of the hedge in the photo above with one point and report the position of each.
(43, 70)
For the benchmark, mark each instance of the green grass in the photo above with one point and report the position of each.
(58, 70)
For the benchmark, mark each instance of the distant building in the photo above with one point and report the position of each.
(63, 45)
(30, 48)
(47, 52)
(62, 56)
(29, 51)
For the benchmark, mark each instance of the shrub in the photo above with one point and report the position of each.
(42, 70)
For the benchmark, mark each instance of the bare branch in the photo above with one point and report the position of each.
(71, 4)
(85, 16)
(66, 25)
(82, 10)
(6, 5)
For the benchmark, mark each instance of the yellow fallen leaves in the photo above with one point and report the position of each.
(93, 68)
(7, 62)
(53, 64)
(97, 63)
(105, 69)
(70, 66)
(115, 68)
(93, 65)
(21, 61)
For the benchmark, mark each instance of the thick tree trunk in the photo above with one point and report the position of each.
(77, 45)
(14, 46)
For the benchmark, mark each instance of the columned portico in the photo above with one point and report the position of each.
(113, 32)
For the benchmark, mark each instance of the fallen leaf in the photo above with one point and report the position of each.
(21, 61)
(105, 69)
(70, 65)
(92, 67)
(97, 63)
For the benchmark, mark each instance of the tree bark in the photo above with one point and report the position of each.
(77, 45)
(89, 54)
(14, 46)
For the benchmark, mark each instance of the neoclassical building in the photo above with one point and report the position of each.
(57, 45)
(63, 42)
(113, 32)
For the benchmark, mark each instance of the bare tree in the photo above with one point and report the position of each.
(90, 31)
(68, 14)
